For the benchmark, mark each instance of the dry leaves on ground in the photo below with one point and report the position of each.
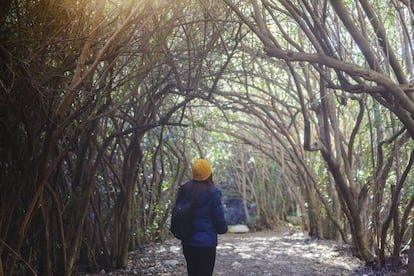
(265, 253)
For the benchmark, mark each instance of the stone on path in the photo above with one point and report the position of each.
(171, 263)
(238, 228)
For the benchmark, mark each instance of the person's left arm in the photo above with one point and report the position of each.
(219, 221)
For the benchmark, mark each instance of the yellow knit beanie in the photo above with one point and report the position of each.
(201, 170)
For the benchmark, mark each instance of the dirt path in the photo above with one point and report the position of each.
(254, 254)
(267, 253)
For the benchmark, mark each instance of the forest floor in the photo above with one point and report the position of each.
(264, 253)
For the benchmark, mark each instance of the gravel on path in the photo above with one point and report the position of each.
(263, 253)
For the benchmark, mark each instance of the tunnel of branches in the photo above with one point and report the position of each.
(304, 109)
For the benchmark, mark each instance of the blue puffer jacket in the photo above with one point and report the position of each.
(208, 219)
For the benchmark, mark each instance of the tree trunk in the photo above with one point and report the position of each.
(126, 201)
(411, 254)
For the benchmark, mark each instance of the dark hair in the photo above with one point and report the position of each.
(201, 186)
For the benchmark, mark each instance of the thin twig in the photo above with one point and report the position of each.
(18, 256)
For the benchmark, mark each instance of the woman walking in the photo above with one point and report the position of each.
(207, 220)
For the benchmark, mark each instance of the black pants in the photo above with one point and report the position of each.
(200, 260)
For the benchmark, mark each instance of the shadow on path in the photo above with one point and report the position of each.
(266, 253)
(275, 253)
